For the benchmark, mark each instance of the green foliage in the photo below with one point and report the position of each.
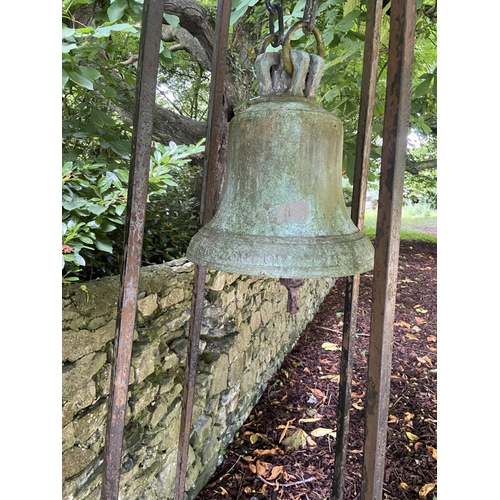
(94, 205)
(98, 83)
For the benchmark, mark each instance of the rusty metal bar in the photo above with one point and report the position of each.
(218, 74)
(361, 165)
(397, 109)
(206, 213)
(134, 232)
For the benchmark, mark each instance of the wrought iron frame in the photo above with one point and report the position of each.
(401, 46)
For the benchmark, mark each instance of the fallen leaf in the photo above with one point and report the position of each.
(261, 468)
(431, 338)
(252, 468)
(318, 393)
(272, 451)
(393, 419)
(309, 420)
(420, 310)
(297, 440)
(357, 405)
(404, 324)
(416, 328)
(224, 491)
(248, 458)
(412, 437)
(426, 488)
(333, 378)
(321, 431)
(410, 336)
(433, 451)
(425, 360)
(408, 415)
(310, 441)
(329, 346)
(285, 428)
(275, 472)
(254, 438)
(404, 486)
(420, 321)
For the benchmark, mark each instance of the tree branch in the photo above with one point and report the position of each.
(414, 167)
(194, 18)
(185, 41)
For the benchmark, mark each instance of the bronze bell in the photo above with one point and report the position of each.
(282, 212)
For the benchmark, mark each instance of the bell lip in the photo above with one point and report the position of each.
(207, 250)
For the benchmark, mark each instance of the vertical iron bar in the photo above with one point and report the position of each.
(134, 231)
(206, 213)
(397, 108)
(218, 74)
(361, 165)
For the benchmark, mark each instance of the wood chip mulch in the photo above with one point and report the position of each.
(286, 448)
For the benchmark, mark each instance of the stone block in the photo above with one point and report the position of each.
(174, 296)
(77, 376)
(87, 425)
(79, 399)
(75, 460)
(68, 436)
(76, 344)
(144, 359)
(220, 371)
(148, 305)
(141, 399)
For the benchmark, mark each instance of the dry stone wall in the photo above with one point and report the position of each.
(245, 336)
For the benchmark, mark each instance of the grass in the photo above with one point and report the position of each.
(412, 219)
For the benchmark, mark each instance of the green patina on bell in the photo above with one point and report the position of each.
(282, 213)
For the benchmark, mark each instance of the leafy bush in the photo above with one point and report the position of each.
(94, 204)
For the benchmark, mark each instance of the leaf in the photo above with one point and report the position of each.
(425, 360)
(297, 440)
(321, 431)
(88, 72)
(104, 31)
(116, 9)
(433, 451)
(172, 20)
(357, 406)
(329, 346)
(392, 419)
(104, 244)
(318, 393)
(333, 378)
(77, 78)
(404, 486)
(67, 32)
(261, 468)
(310, 420)
(275, 472)
(412, 437)
(426, 489)
(254, 438)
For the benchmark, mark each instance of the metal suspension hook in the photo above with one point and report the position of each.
(287, 60)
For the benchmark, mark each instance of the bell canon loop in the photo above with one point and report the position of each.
(282, 212)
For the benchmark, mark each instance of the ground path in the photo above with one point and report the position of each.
(285, 450)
